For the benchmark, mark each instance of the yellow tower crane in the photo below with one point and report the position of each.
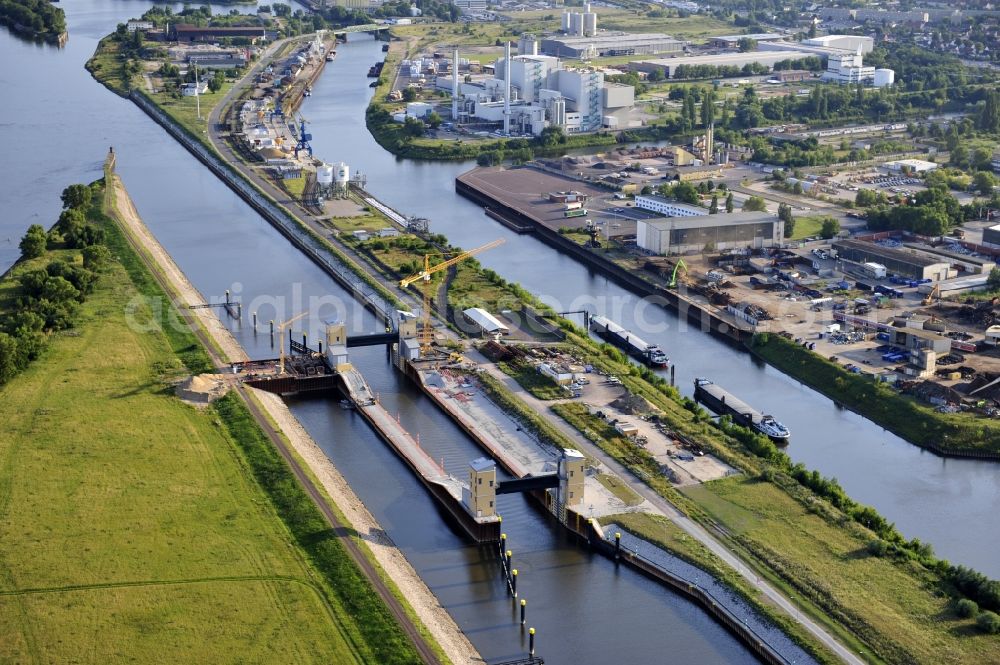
(281, 339)
(425, 275)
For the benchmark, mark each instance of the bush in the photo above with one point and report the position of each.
(989, 623)
(34, 242)
(966, 608)
(879, 548)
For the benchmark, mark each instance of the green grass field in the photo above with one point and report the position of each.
(807, 226)
(130, 527)
(136, 527)
(896, 608)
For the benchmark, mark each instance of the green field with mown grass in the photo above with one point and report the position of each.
(135, 527)
(898, 609)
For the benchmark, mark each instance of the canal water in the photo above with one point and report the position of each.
(947, 502)
(58, 125)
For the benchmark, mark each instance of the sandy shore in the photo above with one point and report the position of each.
(439, 623)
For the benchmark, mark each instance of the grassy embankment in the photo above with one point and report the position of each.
(897, 609)
(168, 537)
(909, 589)
(901, 414)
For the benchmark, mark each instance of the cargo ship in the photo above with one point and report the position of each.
(650, 354)
(725, 403)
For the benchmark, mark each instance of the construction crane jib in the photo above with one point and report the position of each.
(281, 339)
(425, 276)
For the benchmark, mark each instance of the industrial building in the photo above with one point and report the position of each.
(732, 41)
(843, 42)
(669, 65)
(485, 322)
(686, 235)
(184, 32)
(695, 171)
(991, 235)
(905, 263)
(844, 58)
(611, 44)
(911, 165)
(580, 24)
(668, 207)
(968, 264)
(532, 92)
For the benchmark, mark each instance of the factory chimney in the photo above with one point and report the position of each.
(454, 86)
(506, 89)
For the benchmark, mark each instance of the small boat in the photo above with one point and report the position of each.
(330, 56)
(770, 427)
(346, 404)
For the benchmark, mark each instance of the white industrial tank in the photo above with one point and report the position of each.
(324, 175)
(884, 77)
(343, 175)
(590, 24)
(565, 22)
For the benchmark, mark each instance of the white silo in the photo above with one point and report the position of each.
(343, 174)
(884, 77)
(576, 23)
(324, 175)
(566, 21)
(590, 24)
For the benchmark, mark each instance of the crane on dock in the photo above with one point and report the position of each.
(281, 338)
(425, 276)
(673, 276)
(303, 139)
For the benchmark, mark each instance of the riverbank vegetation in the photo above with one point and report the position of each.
(931, 586)
(148, 534)
(953, 433)
(37, 19)
(42, 295)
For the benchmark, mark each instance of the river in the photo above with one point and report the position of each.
(58, 124)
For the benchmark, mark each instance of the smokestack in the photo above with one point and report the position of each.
(710, 142)
(454, 86)
(506, 88)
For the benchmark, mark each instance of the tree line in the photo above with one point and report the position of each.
(39, 18)
(47, 298)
